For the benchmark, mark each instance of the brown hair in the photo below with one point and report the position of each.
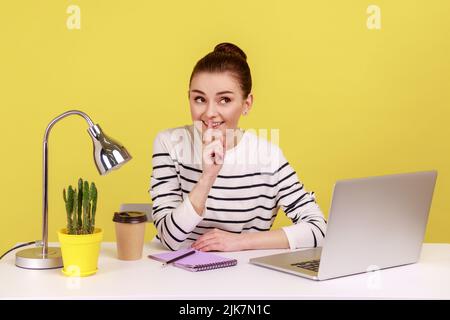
(227, 57)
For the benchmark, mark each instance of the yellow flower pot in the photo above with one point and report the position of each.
(80, 252)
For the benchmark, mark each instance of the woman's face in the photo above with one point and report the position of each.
(217, 98)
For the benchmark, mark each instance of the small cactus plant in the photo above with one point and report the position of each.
(81, 207)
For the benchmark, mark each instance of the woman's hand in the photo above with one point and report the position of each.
(219, 240)
(213, 151)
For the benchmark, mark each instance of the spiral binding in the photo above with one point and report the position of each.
(216, 265)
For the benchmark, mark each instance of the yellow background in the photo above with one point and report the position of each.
(349, 101)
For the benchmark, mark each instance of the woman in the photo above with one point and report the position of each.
(214, 186)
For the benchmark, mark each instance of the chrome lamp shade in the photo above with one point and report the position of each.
(109, 154)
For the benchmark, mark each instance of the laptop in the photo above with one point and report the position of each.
(374, 223)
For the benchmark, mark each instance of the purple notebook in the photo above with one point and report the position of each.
(199, 261)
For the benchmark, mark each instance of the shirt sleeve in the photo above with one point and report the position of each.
(309, 225)
(173, 217)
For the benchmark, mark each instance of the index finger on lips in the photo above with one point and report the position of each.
(207, 136)
(212, 149)
(211, 134)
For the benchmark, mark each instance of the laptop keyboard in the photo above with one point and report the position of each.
(312, 265)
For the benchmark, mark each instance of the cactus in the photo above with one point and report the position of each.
(67, 208)
(69, 200)
(81, 206)
(93, 198)
(86, 218)
(80, 201)
(74, 216)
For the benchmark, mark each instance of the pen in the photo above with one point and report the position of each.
(178, 258)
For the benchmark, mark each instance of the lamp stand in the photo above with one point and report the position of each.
(34, 259)
(45, 257)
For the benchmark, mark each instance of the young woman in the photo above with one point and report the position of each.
(216, 187)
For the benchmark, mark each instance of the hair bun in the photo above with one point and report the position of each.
(231, 49)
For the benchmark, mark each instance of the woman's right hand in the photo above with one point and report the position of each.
(213, 152)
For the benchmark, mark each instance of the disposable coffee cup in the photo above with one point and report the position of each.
(130, 233)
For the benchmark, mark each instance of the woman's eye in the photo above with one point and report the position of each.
(225, 100)
(199, 99)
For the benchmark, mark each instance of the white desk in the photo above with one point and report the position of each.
(145, 279)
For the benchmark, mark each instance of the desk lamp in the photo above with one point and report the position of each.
(108, 154)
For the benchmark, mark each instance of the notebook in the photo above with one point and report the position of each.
(199, 261)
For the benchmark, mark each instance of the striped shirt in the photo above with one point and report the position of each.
(254, 182)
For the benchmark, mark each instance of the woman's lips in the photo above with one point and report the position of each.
(215, 125)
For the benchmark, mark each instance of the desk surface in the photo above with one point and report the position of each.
(145, 279)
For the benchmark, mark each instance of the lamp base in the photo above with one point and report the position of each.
(34, 259)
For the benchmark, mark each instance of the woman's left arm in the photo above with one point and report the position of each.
(273, 239)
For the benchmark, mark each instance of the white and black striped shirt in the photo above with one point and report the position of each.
(254, 182)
